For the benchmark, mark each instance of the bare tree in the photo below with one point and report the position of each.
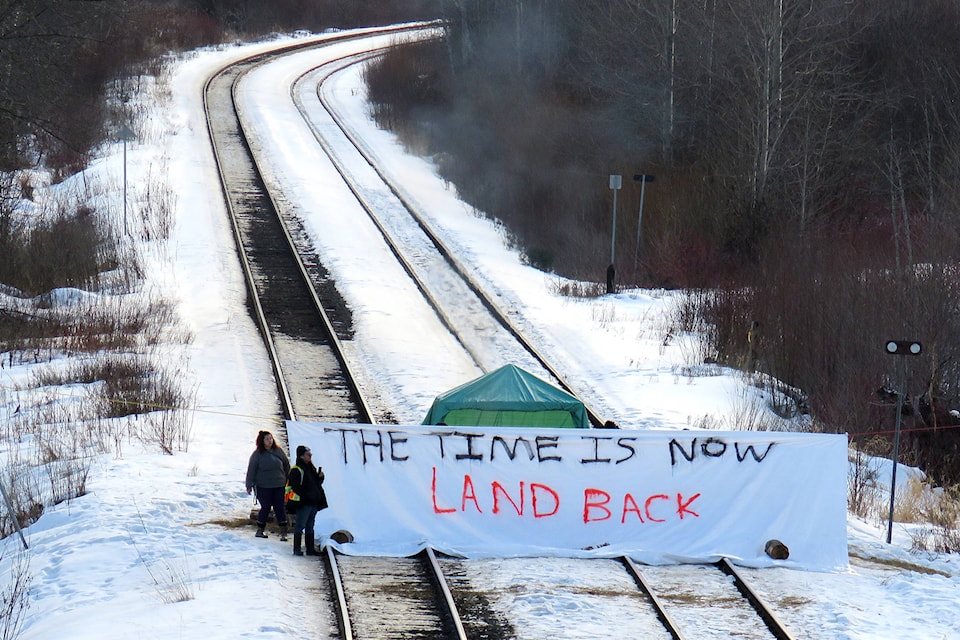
(632, 52)
(52, 78)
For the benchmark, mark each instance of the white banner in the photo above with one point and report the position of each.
(656, 496)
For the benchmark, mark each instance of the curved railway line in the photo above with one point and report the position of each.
(393, 213)
(303, 322)
(298, 324)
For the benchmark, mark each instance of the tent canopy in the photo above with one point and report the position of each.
(508, 397)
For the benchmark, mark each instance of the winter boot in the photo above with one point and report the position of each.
(260, 533)
(297, 538)
(283, 532)
(311, 549)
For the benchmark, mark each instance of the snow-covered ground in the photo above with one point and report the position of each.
(145, 554)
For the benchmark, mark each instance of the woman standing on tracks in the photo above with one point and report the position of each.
(305, 496)
(267, 474)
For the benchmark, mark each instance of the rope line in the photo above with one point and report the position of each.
(151, 405)
(280, 420)
(890, 432)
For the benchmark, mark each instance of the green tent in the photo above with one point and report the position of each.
(508, 397)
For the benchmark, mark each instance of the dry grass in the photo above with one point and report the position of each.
(576, 289)
(931, 513)
(900, 564)
(75, 312)
(231, 523)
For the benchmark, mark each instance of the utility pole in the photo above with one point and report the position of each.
(643, 179)
(616, 182)
(127, 135)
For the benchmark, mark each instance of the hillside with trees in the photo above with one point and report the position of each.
(66, 65)
(68, 70)
(805, 158)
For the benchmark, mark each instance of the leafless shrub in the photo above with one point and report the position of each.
(61, 423)
(603, 314)
(863, 494)
(816, 321)
(122, 385)
(50, 460)
(75, 411)
(155, 206)
(69, 249)
(41, 330)
(131, 386)
(911, 501)
(68, 478)
(168, 429)
(25, 493)
(101, 372)
(575, 288)
(747, 413)
(171, 579)
(15, 596)
(400, 82)
(939, 509)
(688, 311)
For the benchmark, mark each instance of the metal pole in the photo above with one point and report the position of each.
(124, 186)
(616, 182)
(125, 134)
(613, 233)
(896, 447)
(13, 515)
(636, 248)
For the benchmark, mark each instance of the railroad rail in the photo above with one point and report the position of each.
(300, 320)
(763, 610)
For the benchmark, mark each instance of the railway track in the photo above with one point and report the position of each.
(395, 598)
(303, 322)
(615, 598)
(283, 279)
(434, 266)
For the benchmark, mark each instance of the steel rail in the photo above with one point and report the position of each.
(443, 605)
(286, 401)
(454, 262)
(259, 317)
(445, 591)
(764, 611)
(408, 268)
(345, 626)
(333, 573)
(661, 611)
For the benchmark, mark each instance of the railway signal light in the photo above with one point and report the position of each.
(904, 347)
(898, 348)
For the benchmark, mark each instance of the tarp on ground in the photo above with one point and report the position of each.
(508, 397)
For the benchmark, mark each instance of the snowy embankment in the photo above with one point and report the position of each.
(149, 551)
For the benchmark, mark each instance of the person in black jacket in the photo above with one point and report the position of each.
(305, 497)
